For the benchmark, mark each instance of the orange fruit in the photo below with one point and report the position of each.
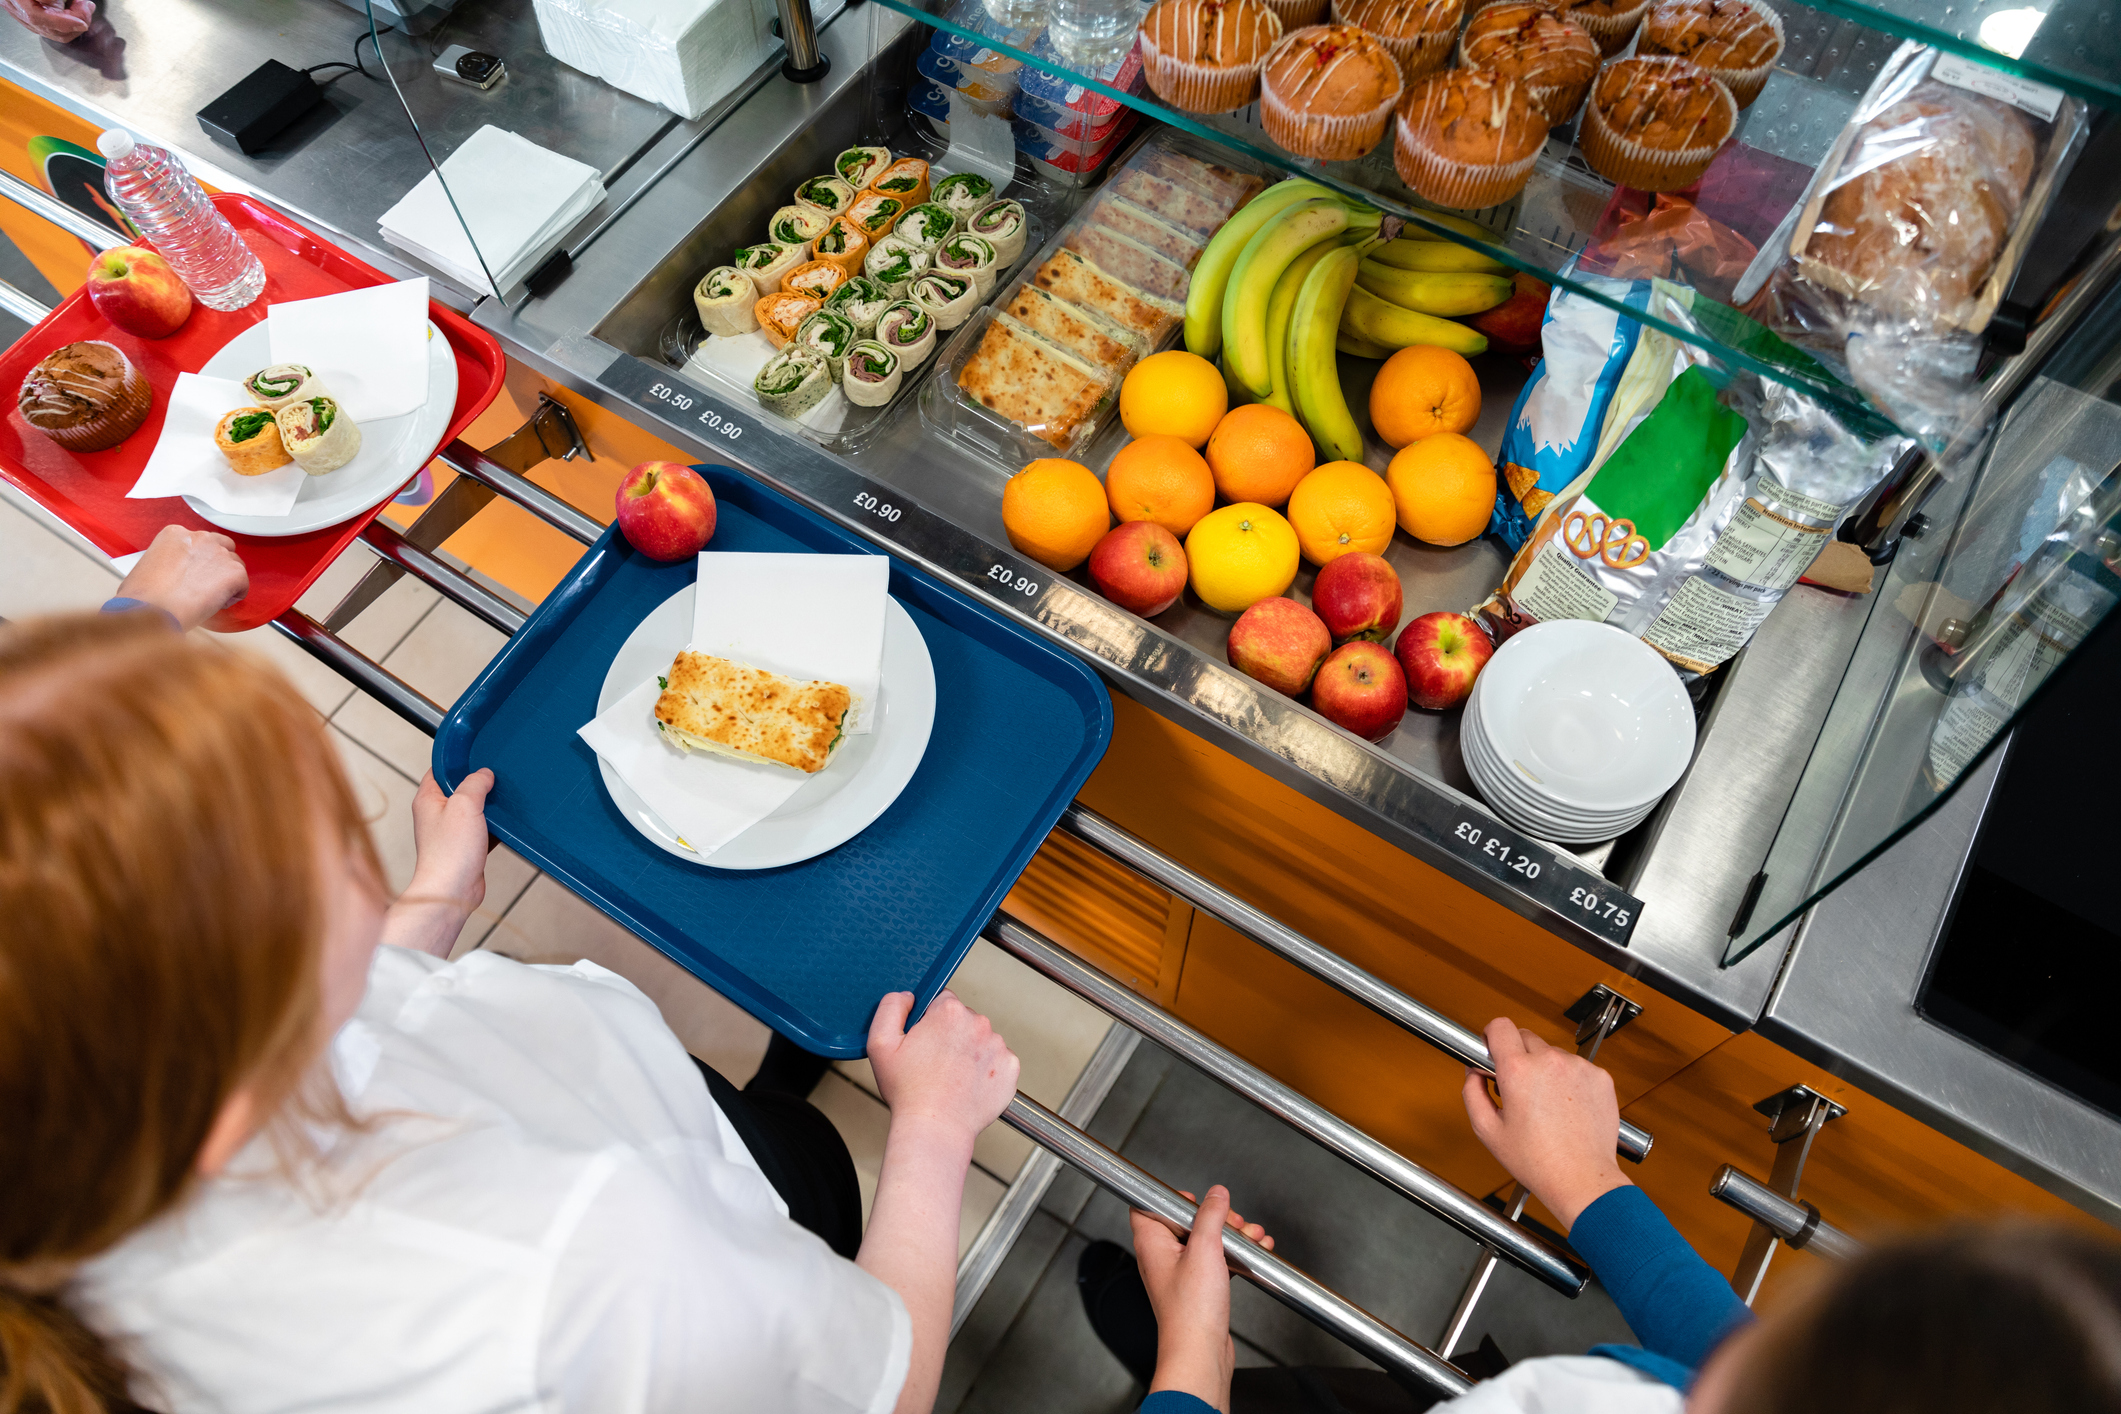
(1055, 512)
(1160, 478)
(1239, 555)
(1422, 391)
(1340, 508)
(1259, 453)
(1444, 488)
(1177, 393)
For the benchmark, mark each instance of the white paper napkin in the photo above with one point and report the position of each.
(707, 800)
(185, 461)
(518, 198)
(368, 345)
(804, 616)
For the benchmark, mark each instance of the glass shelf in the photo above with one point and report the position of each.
(2072, 44)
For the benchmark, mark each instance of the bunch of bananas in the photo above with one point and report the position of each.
(1301, 272)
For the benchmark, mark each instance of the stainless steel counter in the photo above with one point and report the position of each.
(1688, 872)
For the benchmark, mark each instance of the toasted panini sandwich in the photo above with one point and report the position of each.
(715, 705)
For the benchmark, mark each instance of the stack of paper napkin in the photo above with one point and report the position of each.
(683, 54)
(518, 199)
(803, 616)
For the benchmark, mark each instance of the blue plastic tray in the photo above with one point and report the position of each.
(810, 948)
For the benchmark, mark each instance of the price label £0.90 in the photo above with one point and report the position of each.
(707, 419)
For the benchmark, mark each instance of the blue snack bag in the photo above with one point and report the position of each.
(1554, 427)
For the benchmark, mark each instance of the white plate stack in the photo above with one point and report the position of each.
(1575, 730)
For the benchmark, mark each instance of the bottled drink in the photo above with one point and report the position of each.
(163, 200)
(1093, 35)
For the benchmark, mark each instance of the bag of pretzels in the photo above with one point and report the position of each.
(1707, 497)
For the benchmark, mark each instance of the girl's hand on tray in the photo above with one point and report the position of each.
(950, 1069)
(449, 876)
(1558, 1123)
(193, 574)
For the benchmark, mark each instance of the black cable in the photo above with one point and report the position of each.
(342, 64)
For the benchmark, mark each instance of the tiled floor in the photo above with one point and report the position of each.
(439, 649)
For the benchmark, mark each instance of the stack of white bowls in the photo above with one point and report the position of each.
(1575, 730)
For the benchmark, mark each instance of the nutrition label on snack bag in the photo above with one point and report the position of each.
(1773, 538)
(1552, 588)
(1703, 624)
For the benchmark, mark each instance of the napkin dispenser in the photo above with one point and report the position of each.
(681, 54)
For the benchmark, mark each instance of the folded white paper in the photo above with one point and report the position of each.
(706, 800)
(518, 199)
(185, 461)
(368, 345)
(803, 616)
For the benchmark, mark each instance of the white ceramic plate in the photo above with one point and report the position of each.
(1495, 777)
(1537, 818)
(393, 449)
(865, 775)
(1593, 715)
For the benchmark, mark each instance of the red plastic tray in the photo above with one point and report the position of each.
(87, 490)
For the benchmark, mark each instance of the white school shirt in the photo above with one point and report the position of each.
(549, 1213)
(1568, 1384)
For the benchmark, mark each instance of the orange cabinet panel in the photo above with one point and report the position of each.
(1873, 1172)
(1105, 914)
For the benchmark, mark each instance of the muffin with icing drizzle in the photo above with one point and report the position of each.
(1419, 33)
(1328, 92)
(1611, 22)
(1655, 123)
(1545, 53)
(1298, 14)
(86, 396)
(1737, 41)
(1467, 138)
(1204, 55)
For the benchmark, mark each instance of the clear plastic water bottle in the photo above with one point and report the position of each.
(1093, 35)
(166, 203)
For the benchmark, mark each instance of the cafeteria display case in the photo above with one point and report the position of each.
(1323, 911)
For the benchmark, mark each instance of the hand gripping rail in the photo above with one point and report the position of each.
(1285, 1283)
(1395, 1006)
(1794, 1221)
(1453, 1205)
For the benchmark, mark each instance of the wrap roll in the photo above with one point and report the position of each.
(926, 225)
(279, 385)
(962, 193)
(815, 278)
(908, 331)
(873, 374)
(874, 214)
(830, 336)
(906, 179)
(797, 226)
(1002, 222)
(249, 438)
(966, 254)
(830, 195)
(949, 299)
(895, 264)
(725, 298)
(858, 167)
(793, 381)
(781, 312)
(862, 300)
(844, 244)
(766, 263)
(318, 434)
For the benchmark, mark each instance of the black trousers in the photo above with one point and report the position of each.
(802, 1156)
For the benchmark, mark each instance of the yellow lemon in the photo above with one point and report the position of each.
(1340, 508)
(1240, 555)
(1174, 392)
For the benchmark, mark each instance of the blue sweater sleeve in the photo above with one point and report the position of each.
(1677, 1305)
(1172, 1401)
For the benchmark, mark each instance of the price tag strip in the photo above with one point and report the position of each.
(1568, 888)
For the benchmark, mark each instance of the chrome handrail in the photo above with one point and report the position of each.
(98, 235)
(383, 538)
(1796, 1222)
(1270, 1273)
(361, 670)
(1462, 1045)
(1455, 1206)
(469, 461)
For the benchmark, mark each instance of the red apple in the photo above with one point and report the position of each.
(1358, 597)
(1139, 566)
(1512, 327)
(666, 510)
(1279, 642)
(136, 289)
(1361, 689)
(1441, 654)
